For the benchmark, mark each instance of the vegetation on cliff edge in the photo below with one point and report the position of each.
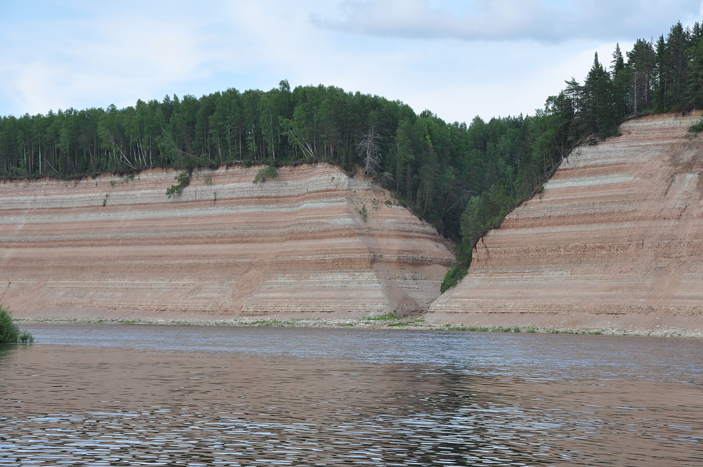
(183, 180)
(267, 173)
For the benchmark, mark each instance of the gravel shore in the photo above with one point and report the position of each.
(383, 322)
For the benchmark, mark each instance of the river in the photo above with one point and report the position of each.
(176, 395)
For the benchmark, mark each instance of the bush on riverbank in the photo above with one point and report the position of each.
(10, 333)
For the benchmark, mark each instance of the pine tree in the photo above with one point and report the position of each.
(618, 62)
(694, 88)
(677, 42)
(661, 81)
(600, 115)
(621, 82)
(640, 60)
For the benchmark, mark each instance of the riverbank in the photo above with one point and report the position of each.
(379, 322)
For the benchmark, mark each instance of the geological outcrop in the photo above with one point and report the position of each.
(312, 242)
(614, 240)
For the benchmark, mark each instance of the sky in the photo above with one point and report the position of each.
(457, 58)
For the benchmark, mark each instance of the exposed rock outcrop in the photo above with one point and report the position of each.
(312, 242)
(614, 240)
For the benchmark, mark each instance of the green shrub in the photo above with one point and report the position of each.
(9, 332)
(697, 128)
(364, 213)
(268, 172)
(183, 180)
(26, 337)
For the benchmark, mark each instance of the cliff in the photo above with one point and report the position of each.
(615, 240)
(313, 242)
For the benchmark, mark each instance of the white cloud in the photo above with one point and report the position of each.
(70, 62)
(541, 20)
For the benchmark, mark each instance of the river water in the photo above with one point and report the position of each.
(170, 395)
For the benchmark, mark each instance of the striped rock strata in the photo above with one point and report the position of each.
(297, 245)
(614, 240)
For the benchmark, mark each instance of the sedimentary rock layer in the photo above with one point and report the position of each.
(313, 240)
(615, 238)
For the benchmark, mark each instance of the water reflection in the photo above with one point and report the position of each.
(241, 402)
(6, 350)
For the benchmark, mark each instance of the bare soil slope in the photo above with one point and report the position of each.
(311, 243)
(615, 240)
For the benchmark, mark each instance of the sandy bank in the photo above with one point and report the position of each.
(417, 324)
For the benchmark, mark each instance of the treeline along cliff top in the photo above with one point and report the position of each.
(462, 178)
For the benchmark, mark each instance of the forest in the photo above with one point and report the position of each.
(462, 178)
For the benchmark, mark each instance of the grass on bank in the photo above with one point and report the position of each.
(517, 329)
(389, 320)
(392, 316)
(9, 332)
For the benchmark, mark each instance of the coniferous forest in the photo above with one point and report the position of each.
(462, 178)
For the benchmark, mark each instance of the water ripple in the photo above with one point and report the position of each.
(236, 402)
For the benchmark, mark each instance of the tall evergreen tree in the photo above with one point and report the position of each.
(662, 71)
(641, 62)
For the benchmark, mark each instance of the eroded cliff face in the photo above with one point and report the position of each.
(615, 240)
(311, 243)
